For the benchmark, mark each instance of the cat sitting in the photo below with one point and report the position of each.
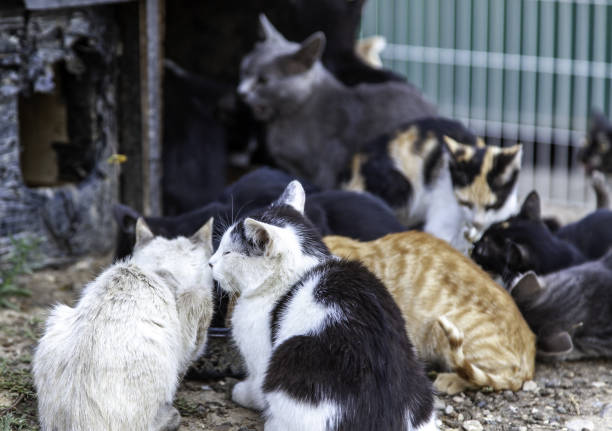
(113, 362)
(596, 154)
(525, 243)
(569, 310)
(314, 123)
(323, 341)
(435, 171)
(457, 317)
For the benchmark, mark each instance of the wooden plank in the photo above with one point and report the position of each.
(151, 42)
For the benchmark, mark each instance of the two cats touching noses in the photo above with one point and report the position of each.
(336, 326)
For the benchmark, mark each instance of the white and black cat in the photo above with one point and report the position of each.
(323, 341)
(569, 310)
(315, 123)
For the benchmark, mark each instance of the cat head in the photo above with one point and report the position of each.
(278, 75)
(272, 247)
(518, 244)
(484, 180)
(596, 154)
(184, 259)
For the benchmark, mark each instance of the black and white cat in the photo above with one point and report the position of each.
(570, 310)
(323, 341)
(315, 123)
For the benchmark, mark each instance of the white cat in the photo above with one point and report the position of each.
(323, 341)
(113, 362)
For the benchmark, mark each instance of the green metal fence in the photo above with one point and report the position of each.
(512, 70)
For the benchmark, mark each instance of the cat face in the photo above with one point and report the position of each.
(185, 258)
(513, 246)
(270, 247)
(596, 154)
(484, 181)
(278, 75)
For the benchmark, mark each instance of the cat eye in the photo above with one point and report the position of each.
(466, 204)
(226, 252)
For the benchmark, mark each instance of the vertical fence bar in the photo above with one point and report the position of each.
(480, 30)
(431, 40)
(463, 42)
(495, 81)
(598, 82)
(512, 84)
(447, 71)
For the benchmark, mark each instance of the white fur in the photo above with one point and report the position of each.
(304, 315)
(430, 425)
(261, 281)
(286, 414)
(113, 362)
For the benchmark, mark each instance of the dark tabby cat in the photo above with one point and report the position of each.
(569, 310)
(524, 243)
(596, 154)
(434, 170)
(323, 341)
(315, 123)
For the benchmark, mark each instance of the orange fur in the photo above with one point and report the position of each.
(456, 315)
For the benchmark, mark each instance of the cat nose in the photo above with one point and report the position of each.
(210, 264)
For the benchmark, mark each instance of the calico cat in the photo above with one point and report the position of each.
(525, 243)
(314, 123)
(458, 318)
(323, 341)
(434, 170)
(596, 153)
(115, 359)
(569, 310)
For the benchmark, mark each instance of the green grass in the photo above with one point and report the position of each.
(17, 381)
(19, 262)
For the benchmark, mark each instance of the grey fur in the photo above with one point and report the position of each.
(574, 302)
(314, 122)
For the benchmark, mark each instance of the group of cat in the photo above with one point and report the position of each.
(339, 306)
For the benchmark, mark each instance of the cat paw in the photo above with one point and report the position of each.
(244, 395)
(450, 383)
(168, 419)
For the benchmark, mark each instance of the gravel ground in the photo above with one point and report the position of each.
(563, 396)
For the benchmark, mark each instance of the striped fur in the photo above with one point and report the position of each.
(457, 317)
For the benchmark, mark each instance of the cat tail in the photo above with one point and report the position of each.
(468, 370)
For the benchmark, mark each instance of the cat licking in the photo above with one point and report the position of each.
(323, 341)
(114, 360)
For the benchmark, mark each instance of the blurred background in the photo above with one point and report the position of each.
(511, 70)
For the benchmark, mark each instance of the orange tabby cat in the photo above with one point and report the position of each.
(456, 315)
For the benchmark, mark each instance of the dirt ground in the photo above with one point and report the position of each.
(563, 396)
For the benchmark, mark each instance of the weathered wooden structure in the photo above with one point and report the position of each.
(70, 98)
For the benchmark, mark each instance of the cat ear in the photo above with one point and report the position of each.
(515, 153)
(457, 150)
(526, 287)
(204, 235)
(261, 234)
(531, 207)
(517, 256)
(125, 217)
(293, 196)
(555, 344)
(268, 31)
(143, 233)
(310, 51)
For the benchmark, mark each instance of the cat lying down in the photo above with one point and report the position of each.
(113, 362)
(458, 318)
(569, 310)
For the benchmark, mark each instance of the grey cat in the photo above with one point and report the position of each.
(315, 123)
(569, 310)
